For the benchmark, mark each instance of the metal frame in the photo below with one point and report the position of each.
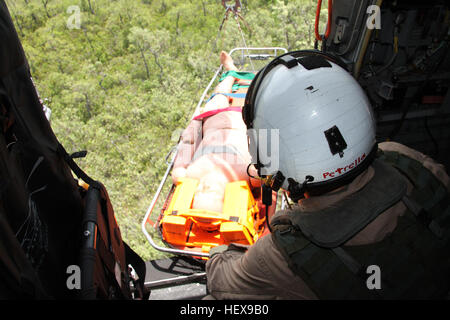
(173, 153)
(257, 56)
(156, 284)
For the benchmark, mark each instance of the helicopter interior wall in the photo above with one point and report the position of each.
(403, 63)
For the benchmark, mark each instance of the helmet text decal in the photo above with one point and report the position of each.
(339, 171)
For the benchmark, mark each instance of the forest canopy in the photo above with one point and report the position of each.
(123, 77)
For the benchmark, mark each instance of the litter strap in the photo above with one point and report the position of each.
(238, 75)
(238, 86)
(231, 95)
(214, 112)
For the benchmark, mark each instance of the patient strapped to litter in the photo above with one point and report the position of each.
(214, 200)
(214, 146)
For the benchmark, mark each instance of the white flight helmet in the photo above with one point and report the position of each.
(319, 122)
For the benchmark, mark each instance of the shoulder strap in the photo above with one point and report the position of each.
(329, 273)
(429, 200)
(335, 225)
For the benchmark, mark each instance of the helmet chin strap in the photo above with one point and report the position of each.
(297, 190)
(271, 183)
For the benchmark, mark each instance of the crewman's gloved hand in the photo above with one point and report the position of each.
(218, 249)
(232, 247)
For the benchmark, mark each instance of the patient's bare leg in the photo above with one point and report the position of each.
(227, 61)
(225, 86)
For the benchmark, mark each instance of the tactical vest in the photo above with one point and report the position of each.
(413, 261)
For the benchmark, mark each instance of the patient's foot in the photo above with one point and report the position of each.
(227, 61)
